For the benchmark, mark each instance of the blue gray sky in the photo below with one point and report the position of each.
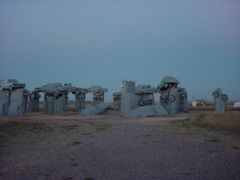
(89, 42)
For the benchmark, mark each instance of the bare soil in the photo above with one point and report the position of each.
(40, 146)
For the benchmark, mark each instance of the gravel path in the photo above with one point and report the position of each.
(113, 147)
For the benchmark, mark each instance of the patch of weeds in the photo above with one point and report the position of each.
(41, 128)
(213, 140)
(86, 134)
(224, 122)
(151, 135)
(74, 143)
(69, 127)
(192, 126)
(46, 174)
(74, 164)
(99, 126)
(13, 128)
(184, 123)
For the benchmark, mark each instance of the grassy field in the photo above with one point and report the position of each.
(201, 116)
(229, 121)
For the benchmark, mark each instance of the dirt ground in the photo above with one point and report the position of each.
(40, 146)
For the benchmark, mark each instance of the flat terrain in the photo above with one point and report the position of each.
(39, 146)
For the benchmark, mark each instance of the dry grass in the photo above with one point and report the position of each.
(16, 128)
(229, 121)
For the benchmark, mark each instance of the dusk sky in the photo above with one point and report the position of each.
(90, 42)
